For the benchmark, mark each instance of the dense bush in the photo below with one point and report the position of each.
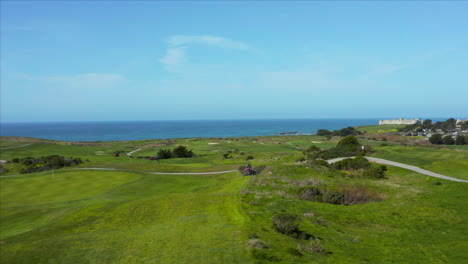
(310, 193)
(348, 141)
(311, 150)
(323, 132)
(344, 195)
(31, 164)
(448, 140)
(460, 140)
(352, 164)
(346, 147)
(377, 172)
(287, 224)
(359, 195)
(436, 139)
(348, 131)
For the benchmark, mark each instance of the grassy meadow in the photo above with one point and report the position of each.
(131, 215)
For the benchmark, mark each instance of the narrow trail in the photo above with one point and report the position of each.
(376, 160)
(17, 146)
(133, 151)
(174, 173)
(404, 166)
(162, 173)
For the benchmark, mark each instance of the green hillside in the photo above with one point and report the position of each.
(131, 215)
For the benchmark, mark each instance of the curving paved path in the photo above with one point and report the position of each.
(133, 151)
(372, 159)
(175, 173)
(404, 166)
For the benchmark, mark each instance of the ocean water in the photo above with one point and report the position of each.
(139, 130)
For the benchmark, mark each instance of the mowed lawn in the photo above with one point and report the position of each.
(92, 216)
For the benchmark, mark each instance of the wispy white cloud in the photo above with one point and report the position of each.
(176, 53)
(174, 57)
(180, 40)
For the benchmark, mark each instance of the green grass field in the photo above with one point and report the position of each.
(133, 216)
(122, 217)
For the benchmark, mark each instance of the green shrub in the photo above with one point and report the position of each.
(377, 172)
(301, 159)
(310, 193)
(460, 140)
(287, 224)
(348, 141)
(436, 139)
(359, 195)
(250, 157)
(323, 132)
(312, 149)
(312, 245)
(262, 254)
(359, 162)
(333, 197)
(448, 140)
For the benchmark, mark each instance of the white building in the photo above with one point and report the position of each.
(400, 121)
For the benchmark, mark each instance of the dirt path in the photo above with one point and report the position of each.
(405, 166)
(17, 146)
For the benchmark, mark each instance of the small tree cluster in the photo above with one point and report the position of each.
(346, 147)
(348, 131)
(447, 125)
(438, 139)
(178, 152)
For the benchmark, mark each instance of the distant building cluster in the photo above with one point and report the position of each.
(459, 122)
(400, 121)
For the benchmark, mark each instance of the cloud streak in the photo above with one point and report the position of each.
(180, 40)
(174, 57)
(176, 52)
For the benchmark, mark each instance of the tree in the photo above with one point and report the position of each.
(449, 124)
(448, 140)
(182, 152)
(436, 139)
(348, 142)
(348, 131)
(460, 140)
(464, 125)
(165, 154)
(427, 123)
(323, 132)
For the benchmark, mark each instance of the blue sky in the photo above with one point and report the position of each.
(142, 60)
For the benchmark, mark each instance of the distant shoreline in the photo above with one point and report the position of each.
(143, 130)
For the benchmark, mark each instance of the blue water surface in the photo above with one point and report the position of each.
(139, 130)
